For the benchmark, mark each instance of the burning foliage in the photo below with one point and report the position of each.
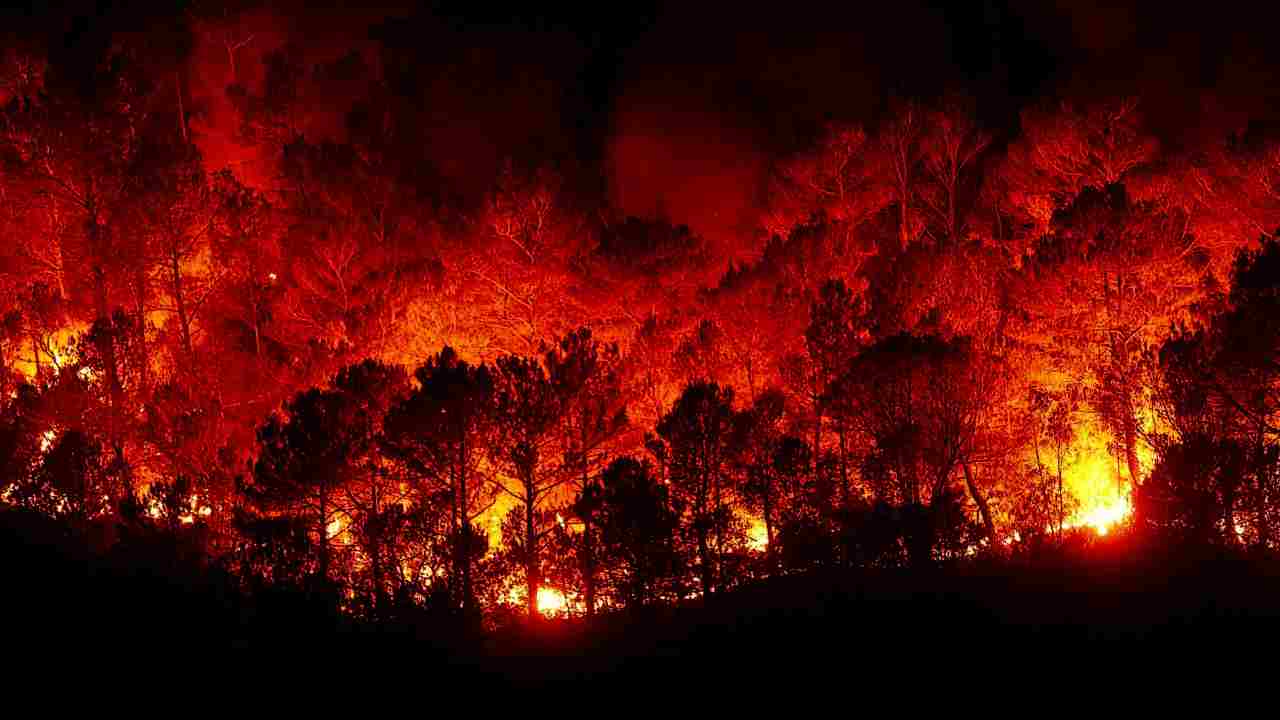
(271, 321)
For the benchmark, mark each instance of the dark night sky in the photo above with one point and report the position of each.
(684, 105)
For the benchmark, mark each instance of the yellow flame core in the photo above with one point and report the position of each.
(757, 535)
(1098, 485)
(551, 602)
(336, 528)
(1104, 517)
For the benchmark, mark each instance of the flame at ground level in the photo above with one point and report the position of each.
(551, 602)
(1104, 516)
(1095, 480)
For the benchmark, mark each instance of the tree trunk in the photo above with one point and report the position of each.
(1131, 452)
(324, 536)
(180, 300)
(588, 549)
(952, 224)
(844, 464)
(106, 340)
(35, 352)
(719, 529)
(588, 567)
(1062, 488)
(817, 437)
(768, 525)
(378, 605)
(182, 114)
(904, 237)
(256, 311)
(701, 518)
(531, 550)
(464, 545)
(1229, 512)
(981, 501)
(374, 534)
(704, 556)
(140, 305)
(1260, 500)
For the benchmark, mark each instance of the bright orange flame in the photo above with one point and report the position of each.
(551, 602)
(335, 527)
(1094, 481)
(55, 352)
(758, 535)
(1103, 517)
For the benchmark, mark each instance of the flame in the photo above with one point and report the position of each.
(758, 535)
(155, 510)
(335, 527)
(551, 602)
(1095, 481)
(55, 351)
(1104, 517)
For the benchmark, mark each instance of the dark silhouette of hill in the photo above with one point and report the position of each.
(63, 600)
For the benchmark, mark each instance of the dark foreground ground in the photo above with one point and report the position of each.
(1107, 620)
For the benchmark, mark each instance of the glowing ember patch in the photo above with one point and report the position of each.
(46, 440)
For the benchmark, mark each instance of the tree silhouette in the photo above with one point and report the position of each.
(587, 377)
(527, 408)
(637, 530)
(698, 434)
(441, 434)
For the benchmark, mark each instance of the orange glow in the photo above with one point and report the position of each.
(757, 535)
(55, 351)
(989, 328)
(551, 602)
(335, 527)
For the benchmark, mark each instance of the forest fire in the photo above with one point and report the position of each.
(588, 342)
(1104, 517)
(1101, 494)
